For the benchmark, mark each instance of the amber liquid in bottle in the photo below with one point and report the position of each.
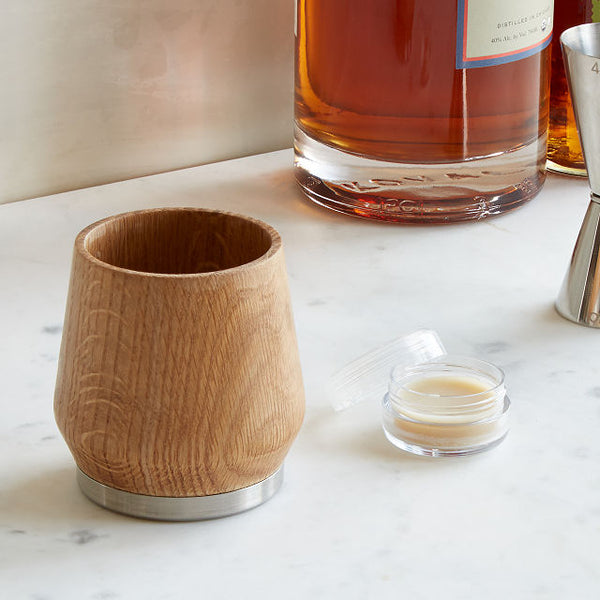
(377, 81)
(564, 150)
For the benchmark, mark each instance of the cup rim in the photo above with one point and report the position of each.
(274, 248)
(572, 38)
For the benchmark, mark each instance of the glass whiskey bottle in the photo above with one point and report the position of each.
(564, 149)
(422, 110)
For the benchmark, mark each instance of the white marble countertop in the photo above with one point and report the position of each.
(356, 518)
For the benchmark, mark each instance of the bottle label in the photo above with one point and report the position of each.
(493, 33)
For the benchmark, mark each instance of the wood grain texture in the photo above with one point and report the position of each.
(179, 372)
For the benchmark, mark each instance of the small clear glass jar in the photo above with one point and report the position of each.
(447, 406)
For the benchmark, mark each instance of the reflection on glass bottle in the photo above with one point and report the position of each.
(564, 150)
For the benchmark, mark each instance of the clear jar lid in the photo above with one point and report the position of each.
(434, 404)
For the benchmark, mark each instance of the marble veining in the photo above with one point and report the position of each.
(497, 347)
(52, 329)
(83, 536)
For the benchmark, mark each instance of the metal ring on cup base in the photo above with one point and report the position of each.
(195, 508)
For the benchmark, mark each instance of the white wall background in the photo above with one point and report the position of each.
(102, 90)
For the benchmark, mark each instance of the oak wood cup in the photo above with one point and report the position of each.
(179, 373)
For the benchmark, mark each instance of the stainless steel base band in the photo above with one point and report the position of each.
(195, 508)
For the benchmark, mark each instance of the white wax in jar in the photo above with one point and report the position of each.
(448, 399)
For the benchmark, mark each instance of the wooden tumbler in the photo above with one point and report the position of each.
(179, 389)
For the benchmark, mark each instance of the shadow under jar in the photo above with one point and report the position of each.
(421, 111)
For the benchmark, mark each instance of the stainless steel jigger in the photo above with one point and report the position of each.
(579, 297)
